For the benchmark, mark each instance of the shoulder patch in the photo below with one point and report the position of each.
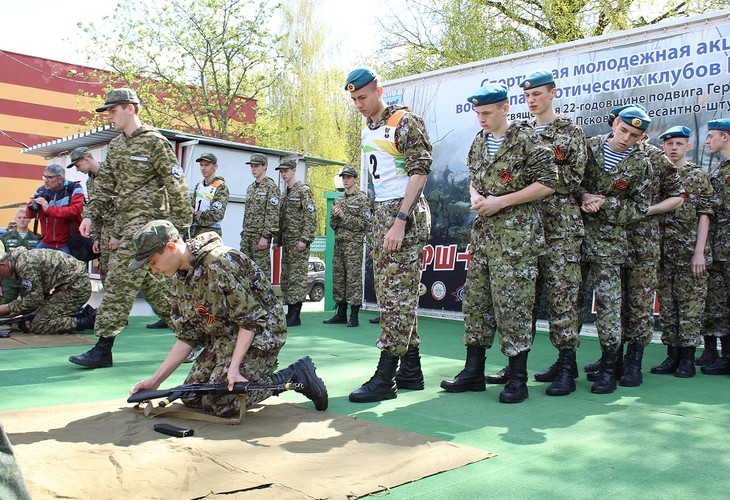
(27, 284)
(368, 215)
(310, 208)
(274, 201)
(217, 205)
(177, 171)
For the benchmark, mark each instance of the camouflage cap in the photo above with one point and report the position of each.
(77, 154)
(151, 239)
(347, 170)
(118, 96)
(207, 157)
(285, 164)
(258, 159)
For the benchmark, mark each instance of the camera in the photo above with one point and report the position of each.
(44, 193)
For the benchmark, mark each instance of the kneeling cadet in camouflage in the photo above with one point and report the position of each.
(224, 304)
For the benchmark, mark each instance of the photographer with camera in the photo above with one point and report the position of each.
(57, 205)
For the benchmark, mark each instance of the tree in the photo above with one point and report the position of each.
(198, 64)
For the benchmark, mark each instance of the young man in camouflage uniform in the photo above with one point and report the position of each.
(615, 192)
(261, 217)
(210, 198)
(717, 306)
(40, 271)
(350, 220)
(685, 255)
(20, 236)
(510, 169)
(297, 224)
(395, 142)
(224, 304)
(143, 181)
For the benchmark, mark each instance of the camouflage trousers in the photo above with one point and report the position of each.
(294, 272)
(398, 274)
(347, 271)
(639, 283)
(121, 287)
(682, 304)
(716, 321)
(57, 315)
(11, 289)
(607, 287)
(211, 367)
(262, 258)
(559, 269)
(12, 484)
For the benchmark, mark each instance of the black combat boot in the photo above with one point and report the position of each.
(501, 377)
(304, 372)
(340, 316)
(515, 389)
(722, 365)
(686, 367)
(409, 375)
(157, 325)
(292, 318)
(354, 320)
(375, 320)
(471, 378)
(632, 376)
(85, 319)
(592, 367)
(551, 373)
(709, 354)
(99, 356)
(606, 377)
(382, 384)
(670, 364)
(567, 372)
(618, 370)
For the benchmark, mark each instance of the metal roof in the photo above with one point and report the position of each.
(103, 135)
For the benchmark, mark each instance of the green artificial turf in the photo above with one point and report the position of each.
(662, 440)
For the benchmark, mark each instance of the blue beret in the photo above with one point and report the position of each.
(615, 111)
(722, 124)
(536, 79)
(678, 131)
(358, 78)
(636, 117)
(489, 94)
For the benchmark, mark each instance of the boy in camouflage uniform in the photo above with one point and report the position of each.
(40, 271)
(297, 224)
(615, 192)
(224, 304)
(510, 168)
(210, 198)
(143, 181)
(717, 306)
(685, 255)
(395, 141)
(261, 217)
(350, 220)
(20, 236)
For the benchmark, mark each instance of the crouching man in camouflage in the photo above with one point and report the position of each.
(224, 304)
(40, 271)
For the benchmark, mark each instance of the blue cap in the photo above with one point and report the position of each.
(723, 124)
(636, 117)
(358, 78)
(615, 111)
(537, 79)
(674, 132)
(489, 94)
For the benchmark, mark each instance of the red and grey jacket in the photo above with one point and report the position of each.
(63, 213)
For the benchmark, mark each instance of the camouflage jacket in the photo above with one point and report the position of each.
(298, 215)
(355, 220)
(222, 292)
(411, 139)
(521, 160)
(720, 179)
(560, 213)
(217, 210)
(645, 234)
(40, 271)
(12, 239)
(143, 175)
(261, 217)
(679, 228)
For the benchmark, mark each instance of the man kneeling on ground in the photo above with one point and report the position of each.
(224, 304)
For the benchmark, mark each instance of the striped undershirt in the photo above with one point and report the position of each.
(493, 144)
(611, 158)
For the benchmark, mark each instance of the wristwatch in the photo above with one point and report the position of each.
(402, 216)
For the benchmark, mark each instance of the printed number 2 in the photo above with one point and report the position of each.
(374, 163)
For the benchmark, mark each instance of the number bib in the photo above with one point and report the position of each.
(385, 162)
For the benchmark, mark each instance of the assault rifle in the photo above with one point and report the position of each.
(20, 321)
(193, 390)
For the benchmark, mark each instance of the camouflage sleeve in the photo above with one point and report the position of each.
(475, 154)
(217, 209)
(32, 297)
(411, 137)
(635, 205)
(276, 235)
(538, 160)
(335, 221)
(271, 218)
(671, 184)
(572, 171)
(173, 179)
(310, 216)
(705, 195)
